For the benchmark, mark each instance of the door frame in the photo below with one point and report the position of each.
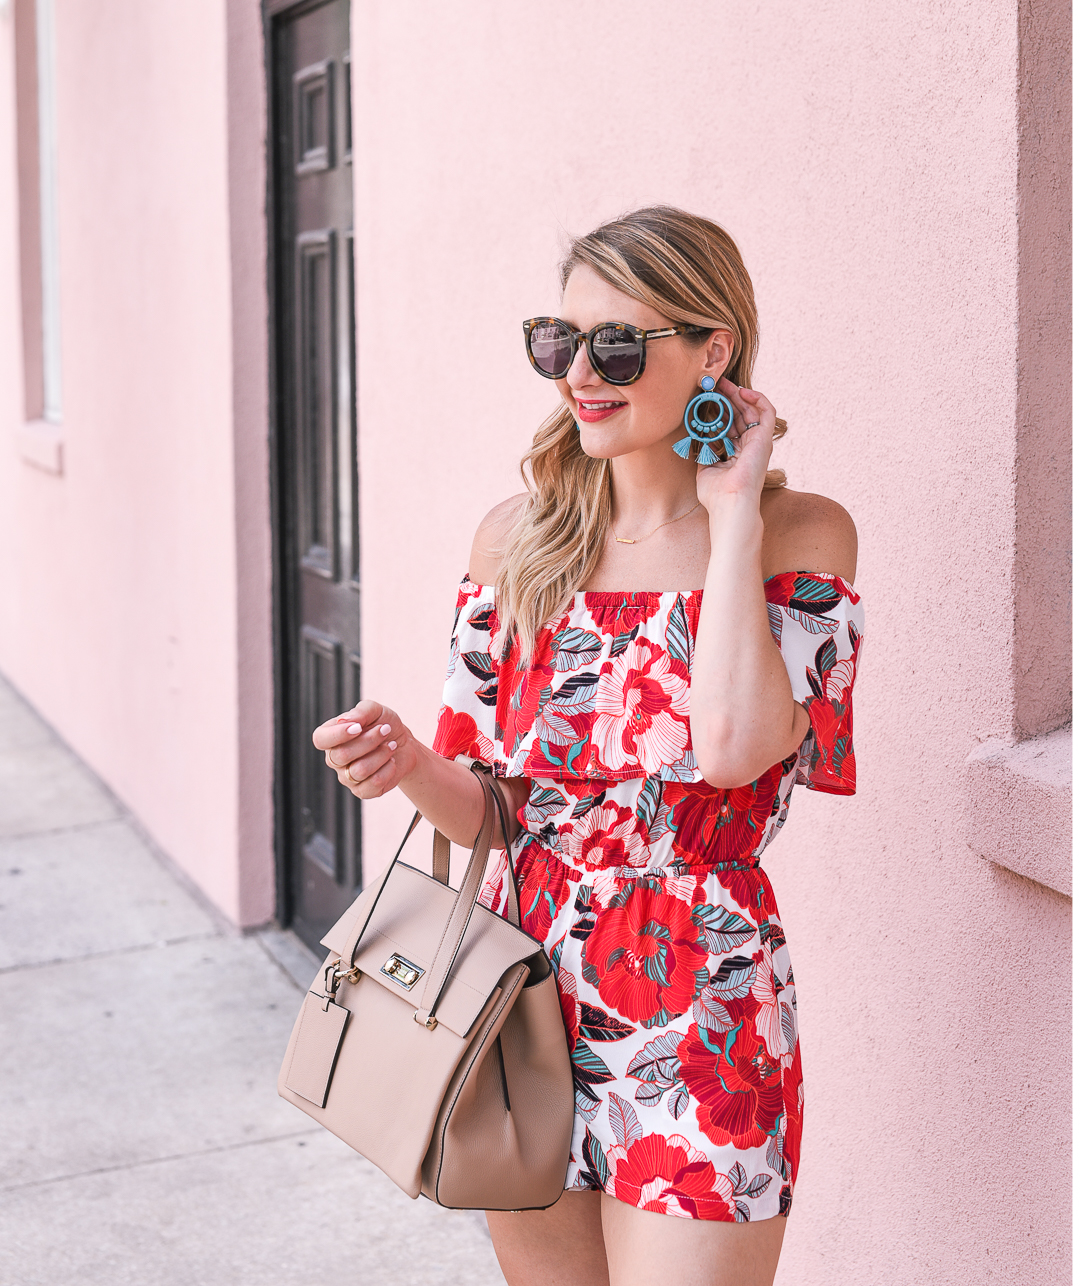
(283, 592)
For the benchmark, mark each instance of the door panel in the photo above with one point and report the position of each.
(317, 524)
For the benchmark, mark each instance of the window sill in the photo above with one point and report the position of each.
(1018, 806)
(41, 445)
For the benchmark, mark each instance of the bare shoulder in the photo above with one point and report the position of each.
(805, 532)
(489, 543)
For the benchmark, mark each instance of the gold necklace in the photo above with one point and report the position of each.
(619, 540)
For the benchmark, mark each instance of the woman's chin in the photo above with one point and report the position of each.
(601, 445)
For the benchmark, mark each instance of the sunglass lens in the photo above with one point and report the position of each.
(552, 348)
(617, 354)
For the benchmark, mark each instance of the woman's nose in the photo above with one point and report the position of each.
(581, 373)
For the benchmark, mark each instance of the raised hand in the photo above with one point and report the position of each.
(755, 420)
(368, 747)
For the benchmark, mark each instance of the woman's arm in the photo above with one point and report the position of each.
(743, 717)
(372, 751)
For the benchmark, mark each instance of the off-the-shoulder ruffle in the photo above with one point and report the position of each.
(606, 694)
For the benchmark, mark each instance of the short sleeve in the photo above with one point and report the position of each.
(466, 727)
(817, 622)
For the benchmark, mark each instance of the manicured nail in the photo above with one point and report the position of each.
(392, 745)
(353, 729)
(384, 730)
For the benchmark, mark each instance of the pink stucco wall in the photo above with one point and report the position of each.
(120, 611)
(866, 159)
(895, 177)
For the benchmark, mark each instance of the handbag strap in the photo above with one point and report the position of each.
(460, 914)
(358, 929)
(513, 894)
(440, 850)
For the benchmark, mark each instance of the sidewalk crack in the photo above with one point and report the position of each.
(111, 951)
(178, 1156)
(63, 830)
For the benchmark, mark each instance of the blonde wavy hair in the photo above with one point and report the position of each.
(690, 270)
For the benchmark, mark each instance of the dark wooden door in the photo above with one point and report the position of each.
(317, 572)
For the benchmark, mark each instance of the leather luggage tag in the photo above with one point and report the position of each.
(318, 1039)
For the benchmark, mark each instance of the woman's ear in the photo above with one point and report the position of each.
(718, 349)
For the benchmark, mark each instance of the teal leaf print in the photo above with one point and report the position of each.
(652, 792)
(554, 729)
(544, 803)
(589, 1069)
(575, 648)
(776, 621)
(597, 1024)
(787, 1026)
(620, 644)
(774, 1154)
(586, 1102)
(772, 935)
(479, 664)
(733, 978)
(589, 801)
(584, 923)
(624, 1121)
(575, 696)
(678, 1100)
(808, 590)
(678, 634)
(657, 1063)
(724, 930)
(737, 1175)
(451, 664)
(825, 658)
(595, 1161)
(710, 1011)
(815, 624)
(649, 1095)
(758, 1184)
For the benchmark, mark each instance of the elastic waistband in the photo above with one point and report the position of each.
(636, 872)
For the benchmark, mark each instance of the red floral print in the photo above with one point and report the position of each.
(643, 881)
(606, 835)
(737, 1086)
(519, 698)
(672, 1177)
(644, 956)
(617, 614)
(457, 734)
(720, 826)
(543, 887)
(642, 710)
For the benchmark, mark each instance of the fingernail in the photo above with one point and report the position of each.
(384, 730)
(353, 729)
(392, 745)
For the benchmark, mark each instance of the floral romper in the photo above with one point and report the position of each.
(642, 880)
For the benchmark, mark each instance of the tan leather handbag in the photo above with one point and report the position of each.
(432, 1040)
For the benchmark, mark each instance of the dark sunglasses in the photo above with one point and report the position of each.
(616, 350)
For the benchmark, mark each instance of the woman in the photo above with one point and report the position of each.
(644, 799)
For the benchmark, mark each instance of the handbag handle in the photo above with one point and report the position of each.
(440, 853)
(460, 914)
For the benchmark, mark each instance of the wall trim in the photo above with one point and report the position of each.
(1018, 806)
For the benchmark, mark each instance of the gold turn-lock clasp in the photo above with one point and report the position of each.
(402, 971)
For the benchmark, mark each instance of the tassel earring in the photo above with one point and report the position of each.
(710, 432)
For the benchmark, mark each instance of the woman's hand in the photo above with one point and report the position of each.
(368, 747)
(755, 420)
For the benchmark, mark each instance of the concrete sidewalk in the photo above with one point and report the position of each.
(141, 1137)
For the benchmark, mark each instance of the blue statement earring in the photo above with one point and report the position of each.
(711, 432)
